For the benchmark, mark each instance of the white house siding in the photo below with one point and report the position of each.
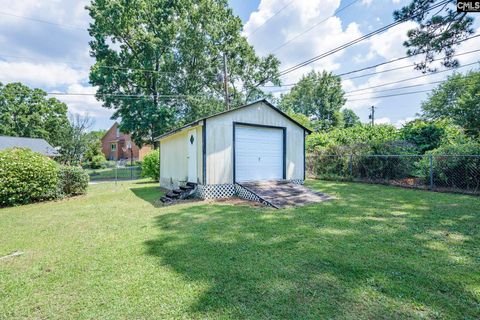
(174, 161)
(219, 137)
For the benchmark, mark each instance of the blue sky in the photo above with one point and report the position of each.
(54, 56)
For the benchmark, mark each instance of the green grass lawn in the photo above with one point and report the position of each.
(375, 252)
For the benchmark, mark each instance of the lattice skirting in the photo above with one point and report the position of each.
(220, 191)
(215, 191)
(298, 181)
(248, 195)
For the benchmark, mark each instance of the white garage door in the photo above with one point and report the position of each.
(258, 153)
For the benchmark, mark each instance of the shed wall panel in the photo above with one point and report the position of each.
(219, 142)
(174, 161)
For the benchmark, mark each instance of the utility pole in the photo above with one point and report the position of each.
(225, 81)
(372, 115)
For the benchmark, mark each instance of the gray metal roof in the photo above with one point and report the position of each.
(232, 110)
(34, 144)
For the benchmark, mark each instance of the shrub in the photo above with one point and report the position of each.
(151, 165)
(385, 161)
(429, 135)
(368, 161)
(26, 176)
(109, 164)
(359, 134)
(451, 169)
(97, 161)
(72, 181)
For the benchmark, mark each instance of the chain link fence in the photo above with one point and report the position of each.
(115, 172)
(447, 173)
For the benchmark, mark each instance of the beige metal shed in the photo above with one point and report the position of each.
(254, 142)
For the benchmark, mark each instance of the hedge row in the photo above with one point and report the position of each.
(27, 176)
(450, 166)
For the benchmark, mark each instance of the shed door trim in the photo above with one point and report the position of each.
(192, 175)
(284, 153)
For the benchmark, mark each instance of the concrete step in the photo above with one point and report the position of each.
(172, 195)
(166, 200)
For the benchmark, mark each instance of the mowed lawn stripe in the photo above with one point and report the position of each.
(374, 252)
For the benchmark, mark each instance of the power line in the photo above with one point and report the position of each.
(271, 17)
(390, 95)
(399, 81)
(72, 63)
(380, 64)
(123, 95)
(70, 26)
(407, 66)
(398, 59)
(314, 26)
(399, 88)
(355, 41)
(61, 25)
(411, 86)
(413, 78)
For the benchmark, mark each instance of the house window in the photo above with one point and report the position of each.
(113, 147)
(118, 132)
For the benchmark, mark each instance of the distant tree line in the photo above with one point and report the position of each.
(26, 112)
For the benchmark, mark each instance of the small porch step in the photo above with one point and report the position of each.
(178, 194)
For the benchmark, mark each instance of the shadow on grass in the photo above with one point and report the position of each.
(378, 253)
(150, 194)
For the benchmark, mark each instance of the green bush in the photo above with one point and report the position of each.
(72, 181)
(97, 161)
(359, 134)
(367, 161)
(429, 135)
(385, 161)
(454, 166)
(26, 176)
(151, 165)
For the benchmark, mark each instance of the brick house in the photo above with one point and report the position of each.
(116, 145)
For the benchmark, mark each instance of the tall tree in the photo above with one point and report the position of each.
(26, 112)
(458, 98)
(319, 96)
(350, 118)
(168, 55)
(75, 139)
(438, 32)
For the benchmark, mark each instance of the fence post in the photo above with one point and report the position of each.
(431, 171)
(350, 166)
(116, 173)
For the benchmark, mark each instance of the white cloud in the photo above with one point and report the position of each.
(384, 120)
(388, 46)
(44, 75)
(84, 104)
(300, 16)
(402, 122)
(56, 57)
(70, 12)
